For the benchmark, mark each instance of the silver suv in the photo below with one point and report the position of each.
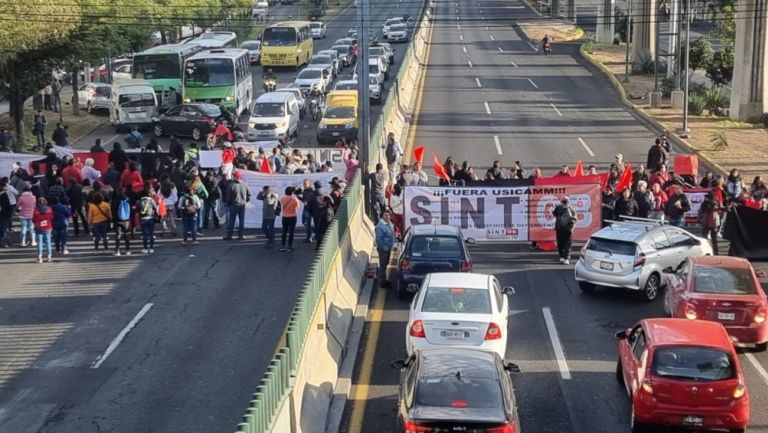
(631, 255)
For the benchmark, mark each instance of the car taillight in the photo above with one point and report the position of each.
(760, 317)
(417, 329)
(411, 427)
(405, 265)
(639, 259)
(493, 332)
(647, 386)
(509, 428)
(466, 266)
(739, 391)
(690, 312)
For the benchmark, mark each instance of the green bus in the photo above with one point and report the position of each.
(220, 77)
(163, 67)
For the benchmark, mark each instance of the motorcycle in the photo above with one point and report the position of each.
(547, 49)
(314, 105)
(270, 85)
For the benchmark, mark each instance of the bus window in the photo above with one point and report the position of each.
(156, 66)
(209, 72)
(279, 36)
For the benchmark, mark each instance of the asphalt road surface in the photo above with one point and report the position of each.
(545, 111)
(380, 11)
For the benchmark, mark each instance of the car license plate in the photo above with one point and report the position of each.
(607, 266)
(454, 335)
(693, 420)
(265, 133)
(726, 316)
(335, 134)
(136, 115)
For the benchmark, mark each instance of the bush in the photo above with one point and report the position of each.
(644, 64)
(715, 100)
(697, 102)
(720, 68)
(701, 53)
(719, 140)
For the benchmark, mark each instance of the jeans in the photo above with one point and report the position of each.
(306, 219)
(678, 222)
(189, 224)
(210, 207)
(44, 237)
(564, 239)
(289, 226)
(4, 231)
(236, 211)
(100, 233)
(169, 220)
(384, 256)
(711, 234)
(60, 239)
(148, 233)
(77, 211)
(40, 135)
(268, 225)
(26, 224)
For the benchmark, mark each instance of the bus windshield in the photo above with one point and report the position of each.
(156, 66)
(209, 73)
(279, 36)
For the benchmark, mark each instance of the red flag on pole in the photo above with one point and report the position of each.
(439, 169)
(265, 167)
(418, 154)
(626, 178)
(579, 170)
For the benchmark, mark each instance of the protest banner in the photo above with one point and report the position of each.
(502, 213)
(8, 159)
(210, 158)
(695, 197)
(279, 182)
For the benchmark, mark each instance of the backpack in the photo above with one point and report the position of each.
(190, 207)
(146, 208)
(124, 210)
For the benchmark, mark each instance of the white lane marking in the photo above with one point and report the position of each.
(469, 63)
(513, 63)
(531, 46)
(533, 84)
(491, 37)
(558, 111)
(464, 49)
(586, 147)
(501, 50)
(487, 107)
(111, 139)
(458, 26)
(558, 348)
(759, 367)
(486, 27)
(461, 37)
(113, 345)
(477, 80)
(498, 144)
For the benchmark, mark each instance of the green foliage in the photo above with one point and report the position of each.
(701, 53)
(645, 63)
(696, 103)
(725, 24)
(719, 140)
(720, 68)
(31, 25)
(715, 100)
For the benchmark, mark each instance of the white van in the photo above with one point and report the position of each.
(132, 103)
(377, 69)
(274, 115)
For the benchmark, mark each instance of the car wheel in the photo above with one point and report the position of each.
(401, 292)
(651, 289)
(637, 427)
(761, 347)
(586, 287)
(619, 373)
(196, 134)
(89, 107)
(158, 130)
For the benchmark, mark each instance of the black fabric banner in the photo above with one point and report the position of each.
(747, 230)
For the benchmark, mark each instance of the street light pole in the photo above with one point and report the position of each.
(687, 60)
(629, 37)
(363, 90)
(658, 49)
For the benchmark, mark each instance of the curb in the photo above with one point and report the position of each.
(676, 139)
(413, 125)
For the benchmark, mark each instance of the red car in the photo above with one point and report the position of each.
(682, 373)
(721, 289)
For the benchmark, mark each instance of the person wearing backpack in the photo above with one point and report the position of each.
(189, 205)
(121, 207)
(148, 210)
(565, 224)
(270, 210)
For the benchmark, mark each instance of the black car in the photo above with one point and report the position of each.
(456, 390)
(194, 119)
(430, 248)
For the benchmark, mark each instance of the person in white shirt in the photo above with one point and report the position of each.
(89, 172)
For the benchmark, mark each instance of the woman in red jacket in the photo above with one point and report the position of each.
(42, 217)
(131, 178)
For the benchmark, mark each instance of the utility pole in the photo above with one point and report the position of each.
(363, 101)
(687, 60)
(674, 33)
(655, 96)
(629, 37)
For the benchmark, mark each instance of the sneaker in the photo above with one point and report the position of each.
(39, 259)
(282, 249)
(127, 253)
(195, 243)
(561, 260)
(34, 244)
(117, 253)
(151, 251)
(65, 252)
(49, 259)
(566, 262)
(290, 249)
(144, 251)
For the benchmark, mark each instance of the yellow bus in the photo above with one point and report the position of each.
(287, 43)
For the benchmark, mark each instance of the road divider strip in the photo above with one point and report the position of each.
(562, 364)
(533, 84)
(498, 144)
(487, 107)
(477, 81)
(556, 109)
(121, 336)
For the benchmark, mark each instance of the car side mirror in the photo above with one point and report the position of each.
(399, 364)
(512, 367)
(622, 335)
(509, 290)
(471, 241)
(668, 270)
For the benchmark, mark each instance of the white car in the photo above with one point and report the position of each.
(459, 309)
(299, 97)
(254, 50)
(388, 23)
(94, 96)
(313, 78)
(318, 29)
(398, 33)
(337, 64)
(323, 61)
(375, 88)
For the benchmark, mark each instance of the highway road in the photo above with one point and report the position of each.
(484, 82)
(380, 11)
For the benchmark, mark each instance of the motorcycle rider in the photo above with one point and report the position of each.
(269, 76)
(546, 44)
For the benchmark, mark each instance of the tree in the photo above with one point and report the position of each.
(720, 68)
(701, 53)
(725, 26)
(28, 25)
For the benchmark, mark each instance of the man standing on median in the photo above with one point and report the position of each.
(565, 223)
(385, 240)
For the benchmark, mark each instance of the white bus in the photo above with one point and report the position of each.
(219, 77)
(214, 40)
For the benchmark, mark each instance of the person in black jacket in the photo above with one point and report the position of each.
(6, 212)
(77, 205)
(625, 205)
(210, 204)
(608, 202)
(677, 206)
(176, 149)
(326, 218)
(644, 199)
(118, 157)
(657, 156)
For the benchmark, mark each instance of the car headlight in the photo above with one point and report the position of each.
(322, 125)
(349, 125)
(251, 125)
(228, 98)
(187, 100)
(281, 124)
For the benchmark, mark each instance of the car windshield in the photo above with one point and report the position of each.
(210, 110)
(309, 74)
(376, 51)
(209, 72)
(373, 69)
(613, 247)
(693, 363)
(435, 247)
(255, 45)
(458, 391)
(341, 49)
(339, 113)
(152, 67)
(269, 109)
(393, 21)
(727, 281)
(102, 91)
(315, 25)
(137, 100)
(397, 28)
(456, 300)
(321, 60)
(279, 36)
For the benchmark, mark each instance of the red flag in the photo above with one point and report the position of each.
(418, 154)
(579, 170)
(265, 167)
(439, 169)
(626, 179)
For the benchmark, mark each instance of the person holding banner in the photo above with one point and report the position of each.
(677, 206)
(565, 224)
